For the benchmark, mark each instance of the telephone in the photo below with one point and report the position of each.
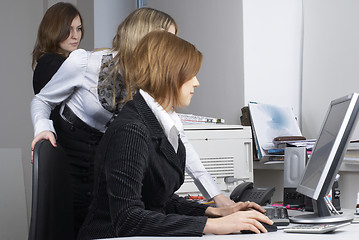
(246, 192)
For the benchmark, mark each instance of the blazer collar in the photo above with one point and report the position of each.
(149, 118)
(176, 159)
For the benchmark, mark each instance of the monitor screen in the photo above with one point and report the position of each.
(329, 151)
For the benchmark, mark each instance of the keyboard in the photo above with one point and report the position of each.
(279, 215)
(314, 228)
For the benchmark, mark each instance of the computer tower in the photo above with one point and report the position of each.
(295, 159)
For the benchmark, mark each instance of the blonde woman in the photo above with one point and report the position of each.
(129, 33)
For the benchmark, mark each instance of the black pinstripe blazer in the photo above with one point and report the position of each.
(137, 172)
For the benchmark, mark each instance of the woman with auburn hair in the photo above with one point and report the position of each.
(141, 160)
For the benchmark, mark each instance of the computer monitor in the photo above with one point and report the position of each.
(326, 158)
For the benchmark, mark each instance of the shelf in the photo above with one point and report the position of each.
(257, 165)
(347, 166)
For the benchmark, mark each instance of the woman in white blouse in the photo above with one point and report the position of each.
(91, 91)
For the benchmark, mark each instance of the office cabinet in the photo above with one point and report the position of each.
(224, 150)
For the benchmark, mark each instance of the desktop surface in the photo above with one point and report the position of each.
(350, 232)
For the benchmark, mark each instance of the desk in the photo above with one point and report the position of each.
(350, 232)
(345, 233)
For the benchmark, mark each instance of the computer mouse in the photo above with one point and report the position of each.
(270, 228)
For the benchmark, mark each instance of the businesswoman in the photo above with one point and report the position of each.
(60, 32)
(141, 159)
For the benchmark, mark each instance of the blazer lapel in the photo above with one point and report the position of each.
(177, 160)
(156, 131)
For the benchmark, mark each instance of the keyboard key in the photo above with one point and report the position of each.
(279, 215)
(314, 228)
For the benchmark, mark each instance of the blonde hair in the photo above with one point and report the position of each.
(161, 63)
(129, 33)
(54, 28)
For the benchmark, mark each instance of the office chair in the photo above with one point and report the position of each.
(52, 209)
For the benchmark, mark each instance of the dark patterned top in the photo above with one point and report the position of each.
(106, 88)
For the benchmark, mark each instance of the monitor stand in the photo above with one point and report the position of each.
(321, 215)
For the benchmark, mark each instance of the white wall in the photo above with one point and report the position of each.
(271, 69)
(108, 14)
(101, 19)
(86, 8)
(215, 28)
(13, 209)
(272, 33)
(19, 21)
(49, 3)
(331, 58)
(251, 52)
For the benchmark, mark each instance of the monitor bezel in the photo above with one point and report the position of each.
(336, 155)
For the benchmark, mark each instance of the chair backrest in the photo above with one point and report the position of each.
(52, 207)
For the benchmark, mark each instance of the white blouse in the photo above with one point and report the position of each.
(75, 84)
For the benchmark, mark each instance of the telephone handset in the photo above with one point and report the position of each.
(246, 192)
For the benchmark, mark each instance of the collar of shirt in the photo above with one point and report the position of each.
(169, 121)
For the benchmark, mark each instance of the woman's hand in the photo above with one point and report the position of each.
(43, 135)
(238, 221)
(222, 201)
(239, 206)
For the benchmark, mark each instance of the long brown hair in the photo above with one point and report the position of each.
(161, 63)
(54, 28)
(129, 33)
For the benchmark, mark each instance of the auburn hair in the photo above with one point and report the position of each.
(161, 63)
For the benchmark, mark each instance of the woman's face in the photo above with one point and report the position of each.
(186, 92)
(73, 41)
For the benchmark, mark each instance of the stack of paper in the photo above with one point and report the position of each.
(269, 122)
